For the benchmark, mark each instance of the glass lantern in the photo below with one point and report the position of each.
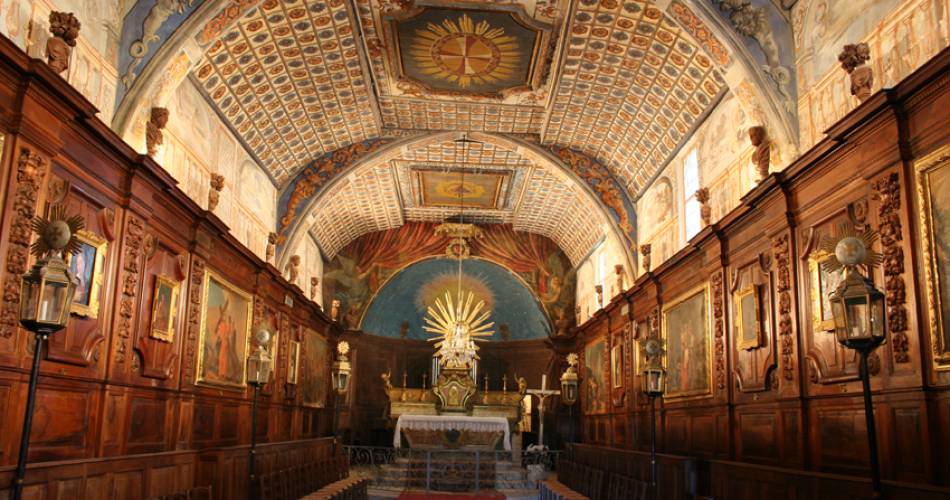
(569, 386)
(858, 310)
(654, 381)
(341, 376)
(46, 294)
(258, 366)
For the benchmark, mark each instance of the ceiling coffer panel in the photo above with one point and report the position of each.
(288, 80)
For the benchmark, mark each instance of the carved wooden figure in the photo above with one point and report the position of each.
(214, 194)
(705, 211)
(154, 136)
(293, 269)
(65, 29)
(314, 284)
(271, 247)
(853, 58)
(645, 257)
(763, 151)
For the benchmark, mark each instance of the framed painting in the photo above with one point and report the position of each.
(747, 321)
(595, 382)
(314, 381)
(293, 361)
(270, 321)
(225, 333)
(687, 332)
(164, 308)
(87, 266)
(822, 284)
(933, 194)
(616, 366)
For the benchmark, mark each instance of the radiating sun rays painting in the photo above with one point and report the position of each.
(465, 52)
(457, 324)
(469, 51)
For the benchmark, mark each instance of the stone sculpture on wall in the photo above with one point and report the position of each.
(65, 29)
(618, 271)
(853, 58)
(271, 247)
(763, 151)
(154, 137)
(293, 269)
(705, 211)
(314, 283)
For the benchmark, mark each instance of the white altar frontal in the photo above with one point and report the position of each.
(479, 432)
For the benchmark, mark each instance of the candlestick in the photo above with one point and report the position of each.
(486, 383)
(504, 383)
(424, 375)
(405, 377)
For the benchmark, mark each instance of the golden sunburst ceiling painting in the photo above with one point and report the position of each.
(467, 51)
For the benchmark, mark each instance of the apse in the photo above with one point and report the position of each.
(402, 302)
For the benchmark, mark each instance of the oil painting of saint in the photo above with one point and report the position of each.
(164, 306)
(595, 385)
(225, 328)
(313, 376)
(686, 329)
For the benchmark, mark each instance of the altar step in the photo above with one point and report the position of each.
(453, 474)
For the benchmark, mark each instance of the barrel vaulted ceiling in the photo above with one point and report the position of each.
(623, 82)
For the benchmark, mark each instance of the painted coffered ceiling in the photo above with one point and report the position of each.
(383, 195)
(622, 82)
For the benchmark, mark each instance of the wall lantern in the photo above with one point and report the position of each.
(569, 381)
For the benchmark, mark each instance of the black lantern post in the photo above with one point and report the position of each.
(340, 375)
(653, 384)
(46, 294)
(258, 372)
(859, 315)
(569, 389)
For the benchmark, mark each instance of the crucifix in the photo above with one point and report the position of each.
(542, 394)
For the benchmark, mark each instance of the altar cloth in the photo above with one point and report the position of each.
(449, 423)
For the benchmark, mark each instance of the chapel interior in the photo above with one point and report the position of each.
(441, 249)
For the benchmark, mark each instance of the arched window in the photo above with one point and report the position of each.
(691, 180)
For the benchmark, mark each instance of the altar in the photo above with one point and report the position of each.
(452, 431)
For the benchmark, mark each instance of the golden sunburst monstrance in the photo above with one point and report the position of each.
(457, 326)
(465, 52)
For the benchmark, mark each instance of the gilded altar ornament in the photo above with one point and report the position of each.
(853, 58)
(458, 234)
(65, 29)
(457, 327)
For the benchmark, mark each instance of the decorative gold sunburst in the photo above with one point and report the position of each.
(465, 52)
(854, 246)
(457, 326)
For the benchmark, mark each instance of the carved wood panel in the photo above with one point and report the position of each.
(755, 364)
(158, 349)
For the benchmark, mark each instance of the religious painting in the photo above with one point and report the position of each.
(933, 190)
(686, 331)
(164, 308)
(595, 382)
(225, 331)
(270, 321)
(293, 361)
(447, 188)
(314, 369)
(616, 366)
(481, 52)
(823, 283)
(88, 266)
(748, 324)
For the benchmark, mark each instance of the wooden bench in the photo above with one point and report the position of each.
(352, 488)
(552, 489)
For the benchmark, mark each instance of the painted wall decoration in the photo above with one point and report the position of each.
(657, 205)
(225, 330)
(687, 333)
(477, 51)
(596, 391)
(611, 193)
(356, 274)
(145, 28)
(440, 188)
(314, 369)
(407, 295)
(306, 185)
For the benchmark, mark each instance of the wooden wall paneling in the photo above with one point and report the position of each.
(158, 358)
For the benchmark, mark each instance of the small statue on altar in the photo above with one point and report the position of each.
(522, 385)
(387, 384)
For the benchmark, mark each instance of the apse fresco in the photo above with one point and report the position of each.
(470, 51)
(406, 297)
(357, 273)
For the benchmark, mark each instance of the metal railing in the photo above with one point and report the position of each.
(445, 470)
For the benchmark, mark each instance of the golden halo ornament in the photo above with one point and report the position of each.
(851, 248)
(57, 233)
(457, 326)
(465, 52)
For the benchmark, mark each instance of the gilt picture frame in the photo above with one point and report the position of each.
(164, 308)
(932, 183)
(748, 319)
(686, 329)
(822, 283)
(224, 337)
(293, 361)
(88, 266)
(616, 366)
